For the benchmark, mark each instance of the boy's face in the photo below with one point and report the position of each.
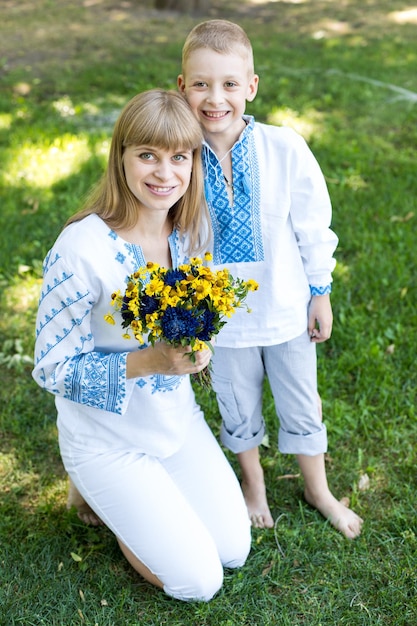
(217, 87)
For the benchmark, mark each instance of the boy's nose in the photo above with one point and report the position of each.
(215, 96)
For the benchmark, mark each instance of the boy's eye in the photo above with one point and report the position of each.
(200, 84)
(230, 83)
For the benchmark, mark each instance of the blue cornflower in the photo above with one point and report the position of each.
(207, 322)
(173, 276)
(148, 304)
(179, 324)
(127, 314)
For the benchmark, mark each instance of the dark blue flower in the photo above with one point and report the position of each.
(173, 276)
(207, 322)
(127, 314)
(179, 324)
(148, 304)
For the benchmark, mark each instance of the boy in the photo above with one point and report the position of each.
(270, 212)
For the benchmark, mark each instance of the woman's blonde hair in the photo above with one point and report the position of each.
(220, 36)
(161, 119)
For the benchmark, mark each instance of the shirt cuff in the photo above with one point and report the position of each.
(320, 291)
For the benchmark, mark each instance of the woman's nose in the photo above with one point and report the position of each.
(163, 170)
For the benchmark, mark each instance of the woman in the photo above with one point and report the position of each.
(132, 438)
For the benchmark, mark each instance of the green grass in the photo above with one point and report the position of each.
(332, 70)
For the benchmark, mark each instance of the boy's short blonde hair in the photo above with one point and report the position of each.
(221, 36)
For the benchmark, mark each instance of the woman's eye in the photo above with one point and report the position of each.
(179, 158)
(146, 156)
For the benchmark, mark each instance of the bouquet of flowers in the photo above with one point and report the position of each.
(186, 306)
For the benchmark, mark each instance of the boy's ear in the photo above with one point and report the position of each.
(252, 88)
(181, 83)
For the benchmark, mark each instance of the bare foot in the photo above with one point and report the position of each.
(257, 505)
(340, 516)
(84, 511)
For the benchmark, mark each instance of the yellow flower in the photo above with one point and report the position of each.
(252, 285)
(154, 287)
(109, 319)
(201, 290)
(116, 296)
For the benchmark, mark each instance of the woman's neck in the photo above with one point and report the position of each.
(152, 237)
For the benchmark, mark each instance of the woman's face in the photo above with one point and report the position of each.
(157, 178)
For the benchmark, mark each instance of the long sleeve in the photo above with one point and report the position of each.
(66, 361)
(310, 215)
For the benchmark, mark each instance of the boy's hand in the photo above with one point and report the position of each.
(320, 318)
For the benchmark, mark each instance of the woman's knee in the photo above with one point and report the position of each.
(201, 586)
(235, 545)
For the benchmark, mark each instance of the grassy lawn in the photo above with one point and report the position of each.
(341, 73)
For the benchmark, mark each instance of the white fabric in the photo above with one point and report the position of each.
(183, 516)
(297, 240)
(138, 450)
(81, 359)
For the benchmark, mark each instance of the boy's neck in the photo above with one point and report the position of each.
(222, 143)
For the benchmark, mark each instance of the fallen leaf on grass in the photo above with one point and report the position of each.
(267, 569)
(402, 218)
(364, 482)
(285, 476)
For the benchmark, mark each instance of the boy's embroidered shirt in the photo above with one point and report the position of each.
(236, 228)
(281, 237)
(81, 359)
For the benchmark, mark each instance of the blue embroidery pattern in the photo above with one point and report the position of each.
(97, 380)
(320, 291)
(165, 383)
(236, 229)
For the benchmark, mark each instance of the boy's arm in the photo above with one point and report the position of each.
(311, 214)
(320, 318)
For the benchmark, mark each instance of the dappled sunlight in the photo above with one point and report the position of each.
(406, 16)
(41, 165)
(308, 124)
(23, 294)
(6, 120)
(55, 493)
(20, 299)
(13, 477)
(341, 271)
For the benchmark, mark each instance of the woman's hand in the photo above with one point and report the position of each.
(165, 359)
